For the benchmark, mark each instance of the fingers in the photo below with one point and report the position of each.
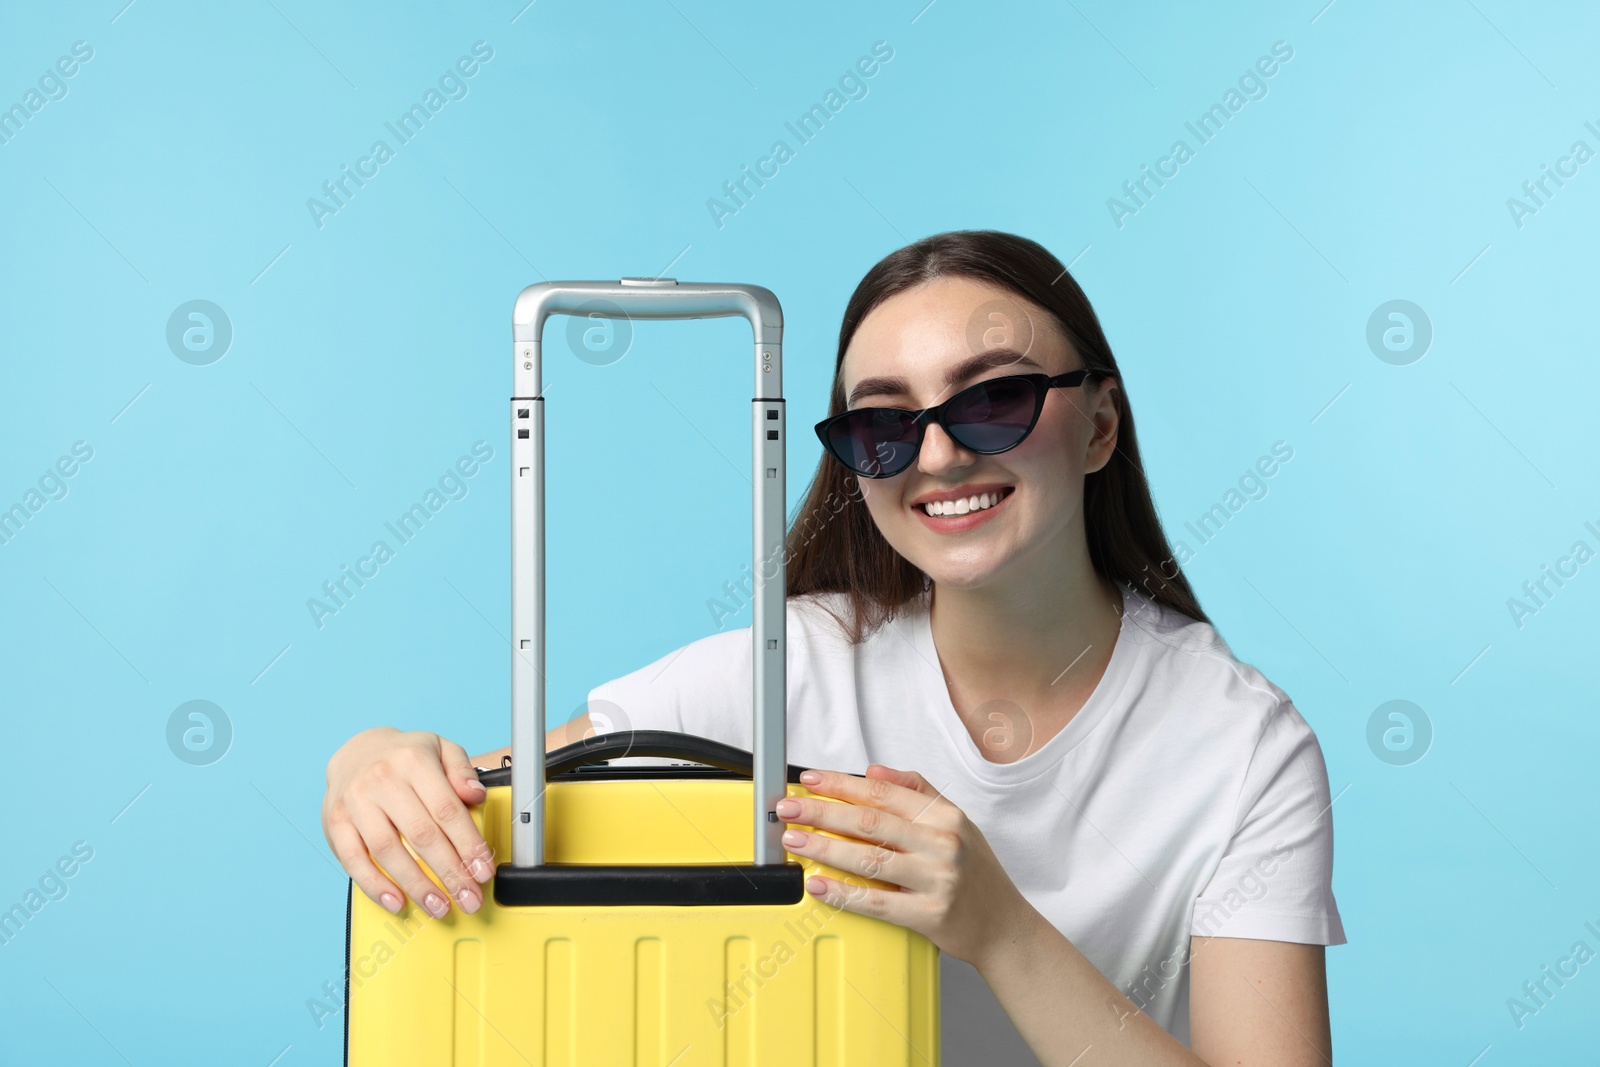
(888, 790)
(863, 900)
(383, 841)
(466, 847)
(352, 854)
(909, 779)
(397, 802)
(893, 825)
(862, 821)
(462, 774)
(879, 862)
(419, 810)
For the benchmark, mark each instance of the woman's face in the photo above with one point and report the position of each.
(902, 355)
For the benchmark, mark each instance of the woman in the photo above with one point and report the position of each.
(1076, 787)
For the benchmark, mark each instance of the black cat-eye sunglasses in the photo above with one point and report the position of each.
(990, 417)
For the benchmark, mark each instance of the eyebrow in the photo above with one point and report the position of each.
(994, 357)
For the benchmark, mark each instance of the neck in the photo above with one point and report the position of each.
(1040, 636)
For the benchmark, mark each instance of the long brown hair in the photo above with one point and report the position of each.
(833, 545)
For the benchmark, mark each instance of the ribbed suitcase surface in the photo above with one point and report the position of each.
(697, 986)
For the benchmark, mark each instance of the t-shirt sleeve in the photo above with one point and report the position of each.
(1275, 878)
(702, 688)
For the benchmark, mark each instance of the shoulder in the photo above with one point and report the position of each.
(1237, 739)
(1226, 716)
(1187, 664)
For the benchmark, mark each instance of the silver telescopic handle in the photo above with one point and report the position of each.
(645, 298)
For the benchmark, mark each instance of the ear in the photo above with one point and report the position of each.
(1107, 423)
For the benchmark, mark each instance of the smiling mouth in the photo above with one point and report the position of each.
(964, 505)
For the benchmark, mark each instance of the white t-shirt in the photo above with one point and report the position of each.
(1187, 796)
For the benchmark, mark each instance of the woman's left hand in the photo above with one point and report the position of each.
(953, 890)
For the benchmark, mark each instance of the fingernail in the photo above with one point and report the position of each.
(481, 870)
(810, 777)
(390, 901)
(787, 807)
(469, 899)
(476, 786)
(436, 905)
(816, 886)
(793, 838)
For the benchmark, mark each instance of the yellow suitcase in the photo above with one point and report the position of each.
(648, 916)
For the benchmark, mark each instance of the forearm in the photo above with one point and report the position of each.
(1061, 1004)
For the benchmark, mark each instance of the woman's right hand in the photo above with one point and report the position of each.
(384, 784)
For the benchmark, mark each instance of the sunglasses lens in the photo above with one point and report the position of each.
(993, 416)
(875, 442)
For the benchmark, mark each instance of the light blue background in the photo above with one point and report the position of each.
(370, 353)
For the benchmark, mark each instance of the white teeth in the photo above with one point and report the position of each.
(963, 506)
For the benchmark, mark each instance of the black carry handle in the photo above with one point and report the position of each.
(681, 884)
(617, 744)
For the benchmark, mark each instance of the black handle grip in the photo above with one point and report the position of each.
(615, 744)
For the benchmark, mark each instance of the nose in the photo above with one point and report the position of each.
(939, 454)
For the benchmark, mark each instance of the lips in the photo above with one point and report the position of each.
(961, 491)
(954, 524)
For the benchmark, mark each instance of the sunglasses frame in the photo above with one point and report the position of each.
(1042, 384)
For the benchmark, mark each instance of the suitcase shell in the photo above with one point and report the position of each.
(774, 985)
(641, 915)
